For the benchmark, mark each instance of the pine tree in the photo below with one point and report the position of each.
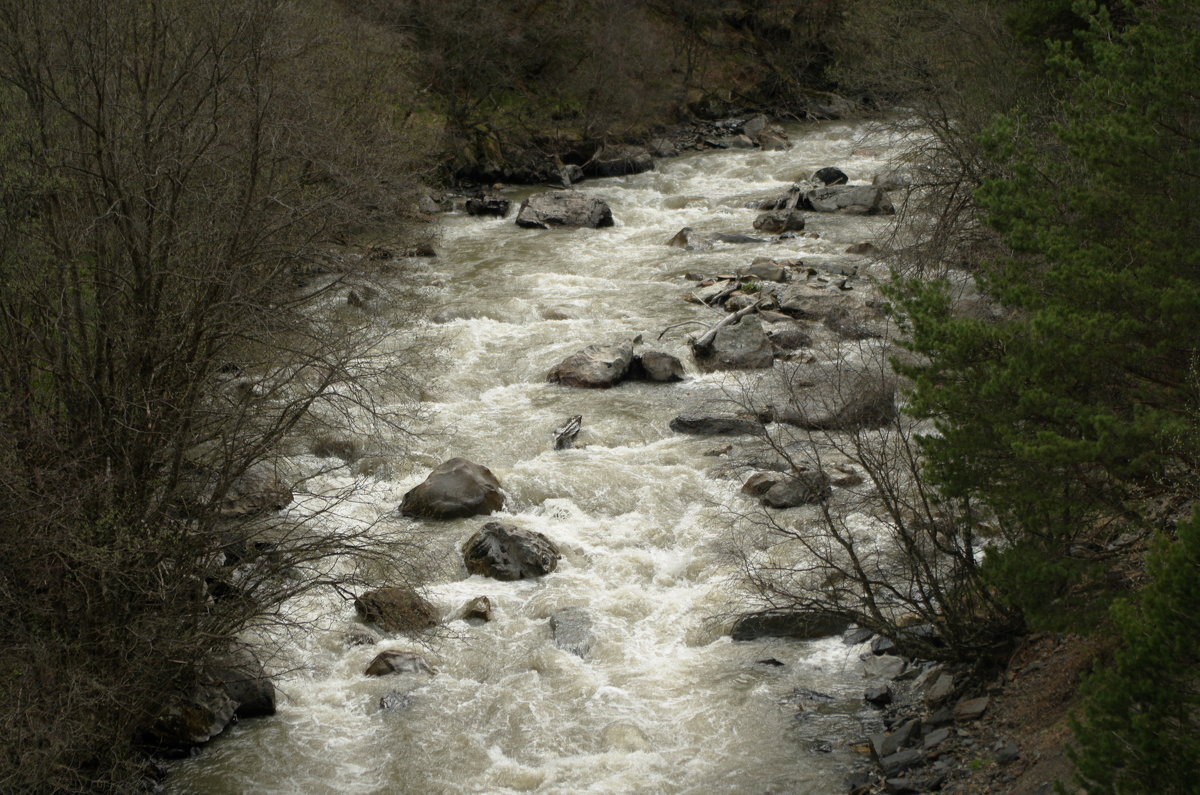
(1080, 398)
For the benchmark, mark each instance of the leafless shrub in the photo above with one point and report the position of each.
(884, 550)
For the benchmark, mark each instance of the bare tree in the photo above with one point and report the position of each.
(174, 175)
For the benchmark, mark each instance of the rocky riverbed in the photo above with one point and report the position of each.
(583, 454)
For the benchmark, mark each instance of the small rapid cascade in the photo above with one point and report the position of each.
(662, 700)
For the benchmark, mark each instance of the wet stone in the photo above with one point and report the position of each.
(397, 662)
(1008, 753)
(882, 645)
(937, 737)
(903, 736)
(857, 635)
(878, 696)
(884, 666)
(941, 689)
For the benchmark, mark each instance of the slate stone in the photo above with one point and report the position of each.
(937, 737)
(971, 709)
(878, 696)
(900, 761)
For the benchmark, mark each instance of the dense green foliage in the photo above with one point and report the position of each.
(1073, 412)
(1140, 730)
(1065, 413)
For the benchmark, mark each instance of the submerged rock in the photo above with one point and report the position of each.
(478, 609)
(691, 240)
(567, 430)
(397, 662)
(625, 737)
(456, 488)
(572, 628)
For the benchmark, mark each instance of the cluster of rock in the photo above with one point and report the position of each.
(604, 160)
(755, 132)
(224, 692)
(501, 551)
(605, 366)
(581, 159)
(828, 192)
(924, 708)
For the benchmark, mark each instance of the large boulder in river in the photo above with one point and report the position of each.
(691, 240)
(193, 718)
(488, 205)
(802, 488)
(247, 684)
(235, 687)
(798, 625)
(852, 199)
(778, 221)
(456, 488)
(656, 366)
(506, 552)
(712, 425)
(561, 208)
(830, 175)
(617, 161)
(738, 346)
(397, 662)
(396, 609)
(594, 367)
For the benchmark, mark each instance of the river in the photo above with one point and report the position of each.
(664, 702)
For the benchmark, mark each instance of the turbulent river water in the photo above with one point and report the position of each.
(664, 701)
